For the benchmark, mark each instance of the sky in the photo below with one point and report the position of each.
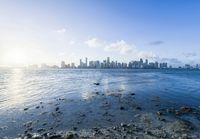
(48, 31)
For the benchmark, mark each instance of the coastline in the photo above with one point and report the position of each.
(174, 123)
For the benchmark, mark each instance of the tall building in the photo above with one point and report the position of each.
(81, 63)
(86, 62)
(63, 64)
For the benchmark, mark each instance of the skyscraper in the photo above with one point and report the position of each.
(86, 62)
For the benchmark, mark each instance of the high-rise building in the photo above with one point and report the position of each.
(86, 62)
(63, 64)
(81, 63)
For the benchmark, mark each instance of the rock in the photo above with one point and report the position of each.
(96, 83)
(123, 125)
(37, 107)
(40, 130)
(57, 108)
(138, 108)
(97, 93)
(182, 125)
(122, 108)
(184, 136)
(185, 109)
(28, 124)
(159, 113)
(74, 128)
(44, 124)
(71, 135)
(132, 94)
(25, 109)
(55, 137)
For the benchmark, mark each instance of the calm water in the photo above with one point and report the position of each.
(21, 89)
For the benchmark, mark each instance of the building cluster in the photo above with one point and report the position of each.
(114, 64)
(188, 66)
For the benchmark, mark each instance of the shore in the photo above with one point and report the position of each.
(112, 114)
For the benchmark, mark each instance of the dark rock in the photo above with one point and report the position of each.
(122, 108)
(25, 109)
(123, 125)
(138, 108)
(182, 125)
(55, 136)
(37, 107)
(40, 130)
(74, 128)
(71, 135)
(57, 108)
(185, 109)
(159, 113)
(132, 94)
(96, 83)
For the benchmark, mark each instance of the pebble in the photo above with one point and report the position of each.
(96, 83)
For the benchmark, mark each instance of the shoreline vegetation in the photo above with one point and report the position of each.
(170, 123)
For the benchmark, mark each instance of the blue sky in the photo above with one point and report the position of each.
(48, 31)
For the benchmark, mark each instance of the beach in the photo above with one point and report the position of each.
(100, 104)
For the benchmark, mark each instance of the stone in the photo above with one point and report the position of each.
(25, 109)
(55, 136)
(57, 108)
(96, 83)
(122, 108)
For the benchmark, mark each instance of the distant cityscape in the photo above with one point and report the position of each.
(108, 64)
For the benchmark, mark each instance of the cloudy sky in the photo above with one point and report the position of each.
(48, 31)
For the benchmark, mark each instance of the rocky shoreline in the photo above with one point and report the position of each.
(121, 117)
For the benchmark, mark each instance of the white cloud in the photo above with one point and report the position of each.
(94, 42)
(119, 46)
(62, 30)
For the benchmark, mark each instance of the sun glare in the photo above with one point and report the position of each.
(16, 56)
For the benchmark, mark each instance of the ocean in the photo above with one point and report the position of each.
(37, 95)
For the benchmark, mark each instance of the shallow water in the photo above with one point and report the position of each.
(74, 92)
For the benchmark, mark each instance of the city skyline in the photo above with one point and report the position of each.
(67, 30)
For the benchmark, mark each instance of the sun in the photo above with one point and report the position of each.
(16, 56)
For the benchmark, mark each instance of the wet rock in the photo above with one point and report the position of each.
(184, 136)
(37, 107)
(159, 113)
(138, 108)
(182, 125)
(97, 93)
(96, 83)
(28, 124)
(123, 125)
(57, 108)
(25, 109)
(185, 109)
(132, 94)
(74, 128)
(44, 124)
(55, 136)
(41, 130)
(122, 108)
(70, 135)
